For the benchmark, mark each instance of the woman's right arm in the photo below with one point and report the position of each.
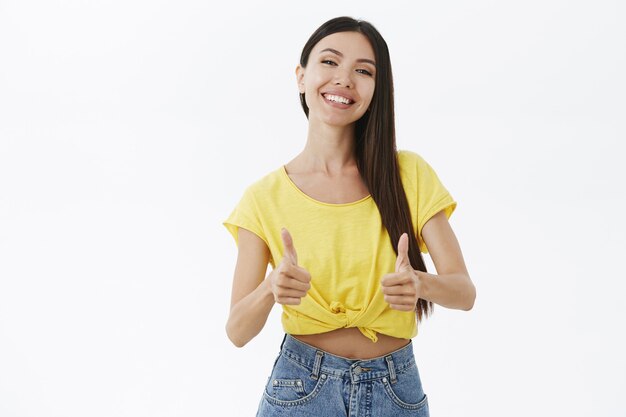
(252, 298)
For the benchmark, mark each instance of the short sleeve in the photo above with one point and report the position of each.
(432, 197)
(245, 215)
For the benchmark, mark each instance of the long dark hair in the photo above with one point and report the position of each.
(375, 137)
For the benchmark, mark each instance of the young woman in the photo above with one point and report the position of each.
(343, 224)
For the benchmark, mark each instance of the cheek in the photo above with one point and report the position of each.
(314, 81)
(369, 94)
(311, 87)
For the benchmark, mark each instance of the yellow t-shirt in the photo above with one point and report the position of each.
(345, 248)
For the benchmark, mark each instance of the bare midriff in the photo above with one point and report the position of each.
(350, 343)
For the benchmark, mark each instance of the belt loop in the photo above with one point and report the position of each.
(392, 369)
(317, 364)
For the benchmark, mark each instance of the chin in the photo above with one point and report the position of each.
(333, 120)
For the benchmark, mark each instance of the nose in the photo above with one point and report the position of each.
(343, 77)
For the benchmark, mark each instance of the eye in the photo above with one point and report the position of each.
(366, 72)
(329, 61)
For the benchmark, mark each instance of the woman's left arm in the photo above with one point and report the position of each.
(452, 286)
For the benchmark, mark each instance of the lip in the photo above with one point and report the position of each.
(339, 93)
(335, 104)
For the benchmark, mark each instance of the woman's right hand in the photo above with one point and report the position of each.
(289, 282)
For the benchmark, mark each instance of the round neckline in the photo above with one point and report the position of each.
(308, 197)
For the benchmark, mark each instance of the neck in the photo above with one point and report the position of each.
(329, 149)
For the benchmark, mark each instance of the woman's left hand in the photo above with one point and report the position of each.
(402, 288)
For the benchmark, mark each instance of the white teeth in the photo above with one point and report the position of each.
(337, 99)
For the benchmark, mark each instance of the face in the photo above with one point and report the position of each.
(339, 78)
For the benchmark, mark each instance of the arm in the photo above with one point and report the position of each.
(251, 298)
(452, 286)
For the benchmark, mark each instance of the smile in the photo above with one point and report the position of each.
(337, 99)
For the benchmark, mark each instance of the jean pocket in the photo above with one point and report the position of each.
(292, 384)
(406, 392)
(286, 389)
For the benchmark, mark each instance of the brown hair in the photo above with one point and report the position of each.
(375, 137)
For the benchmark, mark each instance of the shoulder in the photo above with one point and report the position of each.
(266, 184)
(411, 162)
(407, 157)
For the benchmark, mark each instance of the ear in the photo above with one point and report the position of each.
(300, 78)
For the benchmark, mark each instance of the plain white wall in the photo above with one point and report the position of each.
(129, 130)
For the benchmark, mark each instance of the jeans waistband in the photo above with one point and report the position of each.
(321, 362)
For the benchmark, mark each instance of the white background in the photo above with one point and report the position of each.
(129, 130)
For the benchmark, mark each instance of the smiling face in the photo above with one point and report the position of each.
(339, 79)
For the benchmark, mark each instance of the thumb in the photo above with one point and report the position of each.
(403, 261)
(290, 251)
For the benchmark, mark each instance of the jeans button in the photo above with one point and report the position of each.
(357, 370)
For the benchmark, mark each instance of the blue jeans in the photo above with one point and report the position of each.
(307, 381)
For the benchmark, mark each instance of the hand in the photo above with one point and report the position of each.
(289, 282)
(402, 288)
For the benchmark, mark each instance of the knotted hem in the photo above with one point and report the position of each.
(369, 333)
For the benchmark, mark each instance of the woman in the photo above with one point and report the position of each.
(342, 225)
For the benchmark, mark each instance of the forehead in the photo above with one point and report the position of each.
(350, 44)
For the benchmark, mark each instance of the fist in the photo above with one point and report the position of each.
(289, 282)
(401, 288)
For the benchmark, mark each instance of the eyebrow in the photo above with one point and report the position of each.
(336, 52)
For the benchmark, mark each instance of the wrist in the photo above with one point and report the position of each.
(266, 287)
(422, 279)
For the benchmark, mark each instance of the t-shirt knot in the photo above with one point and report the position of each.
(337, 307)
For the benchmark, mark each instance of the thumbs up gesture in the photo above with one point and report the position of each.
(401, 289)
(289, 282)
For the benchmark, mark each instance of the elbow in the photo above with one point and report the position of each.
(471, 297)
(237, 343)
(236, 339)
(469, 306)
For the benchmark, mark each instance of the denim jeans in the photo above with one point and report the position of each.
(307, 381)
